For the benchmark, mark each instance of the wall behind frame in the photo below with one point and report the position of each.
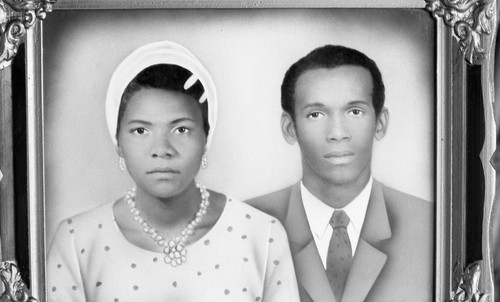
(247, 52)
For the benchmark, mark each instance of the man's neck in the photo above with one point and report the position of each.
(335, 195)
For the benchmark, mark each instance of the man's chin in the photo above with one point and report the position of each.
(342, 177)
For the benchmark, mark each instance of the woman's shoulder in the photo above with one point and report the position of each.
(247, 217)
(242, 208)
(94, 217)
(84, 229)
(252, 225)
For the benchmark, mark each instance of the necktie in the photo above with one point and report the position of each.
(339, 259)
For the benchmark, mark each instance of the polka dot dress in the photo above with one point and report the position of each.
(245, 257)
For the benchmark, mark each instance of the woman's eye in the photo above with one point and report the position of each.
(182, 130)
(314, 115)
(139, 130)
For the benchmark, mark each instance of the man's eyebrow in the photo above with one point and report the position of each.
(358, 102)
(313, 105)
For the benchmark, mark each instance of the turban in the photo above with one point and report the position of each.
(163, 52)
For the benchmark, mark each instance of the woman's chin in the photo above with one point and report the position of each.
(164, 189)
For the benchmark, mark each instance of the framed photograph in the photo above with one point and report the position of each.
(435, 57)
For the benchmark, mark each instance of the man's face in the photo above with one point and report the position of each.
(335, 124)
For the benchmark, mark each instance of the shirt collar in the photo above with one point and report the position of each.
(319, 213)
(356, 209)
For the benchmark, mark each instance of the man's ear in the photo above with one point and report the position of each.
(288, 128)
(382, 124)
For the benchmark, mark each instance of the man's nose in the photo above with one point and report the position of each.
(337, 129)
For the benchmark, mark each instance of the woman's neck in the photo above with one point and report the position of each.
(169, 212)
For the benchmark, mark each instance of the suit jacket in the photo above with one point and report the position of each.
(394, 257)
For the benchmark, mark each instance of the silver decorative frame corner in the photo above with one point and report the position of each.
(14, 288)
(473, 22)
(16, 17)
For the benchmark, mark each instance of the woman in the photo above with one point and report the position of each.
(168, 238)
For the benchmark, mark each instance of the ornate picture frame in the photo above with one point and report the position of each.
(464, 139)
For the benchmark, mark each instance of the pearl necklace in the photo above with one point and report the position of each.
(175, 248)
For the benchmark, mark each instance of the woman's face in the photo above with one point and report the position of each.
(162, 140)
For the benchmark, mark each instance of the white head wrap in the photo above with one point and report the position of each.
(164, 52)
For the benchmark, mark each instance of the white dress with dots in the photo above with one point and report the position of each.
(244, 257)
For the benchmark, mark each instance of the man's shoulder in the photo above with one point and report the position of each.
(409, 215)
(406, 202)
(394, 193)
(274, 203)
(410, 249)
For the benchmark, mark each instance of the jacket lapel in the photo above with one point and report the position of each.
(309, 268)
(369, 259)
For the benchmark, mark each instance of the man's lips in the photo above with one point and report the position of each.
(338, 154)
(339, 157)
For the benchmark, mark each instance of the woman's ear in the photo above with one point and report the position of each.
(382, 123)
(288, 128)
(119, 151)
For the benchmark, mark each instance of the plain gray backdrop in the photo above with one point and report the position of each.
(247, 51)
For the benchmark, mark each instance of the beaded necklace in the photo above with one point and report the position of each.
(175, 248)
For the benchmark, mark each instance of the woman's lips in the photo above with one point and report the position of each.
(164, 171)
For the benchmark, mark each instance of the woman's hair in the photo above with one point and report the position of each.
(167, 77)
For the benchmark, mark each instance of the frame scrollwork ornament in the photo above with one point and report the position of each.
(15, 289)
(466, 283)
(471, 20)
(17, 16)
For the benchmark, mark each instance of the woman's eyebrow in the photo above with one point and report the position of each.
(143, 122)
(182, 119)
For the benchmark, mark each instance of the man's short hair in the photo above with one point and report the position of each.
(330, 57)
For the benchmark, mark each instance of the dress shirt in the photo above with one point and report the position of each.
(319, 214)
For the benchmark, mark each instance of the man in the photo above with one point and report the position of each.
(333, 107)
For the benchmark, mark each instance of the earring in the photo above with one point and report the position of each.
(204, 161)
(121, 164)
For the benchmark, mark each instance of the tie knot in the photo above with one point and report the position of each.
(339, 219)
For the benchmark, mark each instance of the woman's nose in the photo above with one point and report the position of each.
(162, 147)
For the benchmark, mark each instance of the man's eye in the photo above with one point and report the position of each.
(357, 111)
(314, 115)
(182, 130)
